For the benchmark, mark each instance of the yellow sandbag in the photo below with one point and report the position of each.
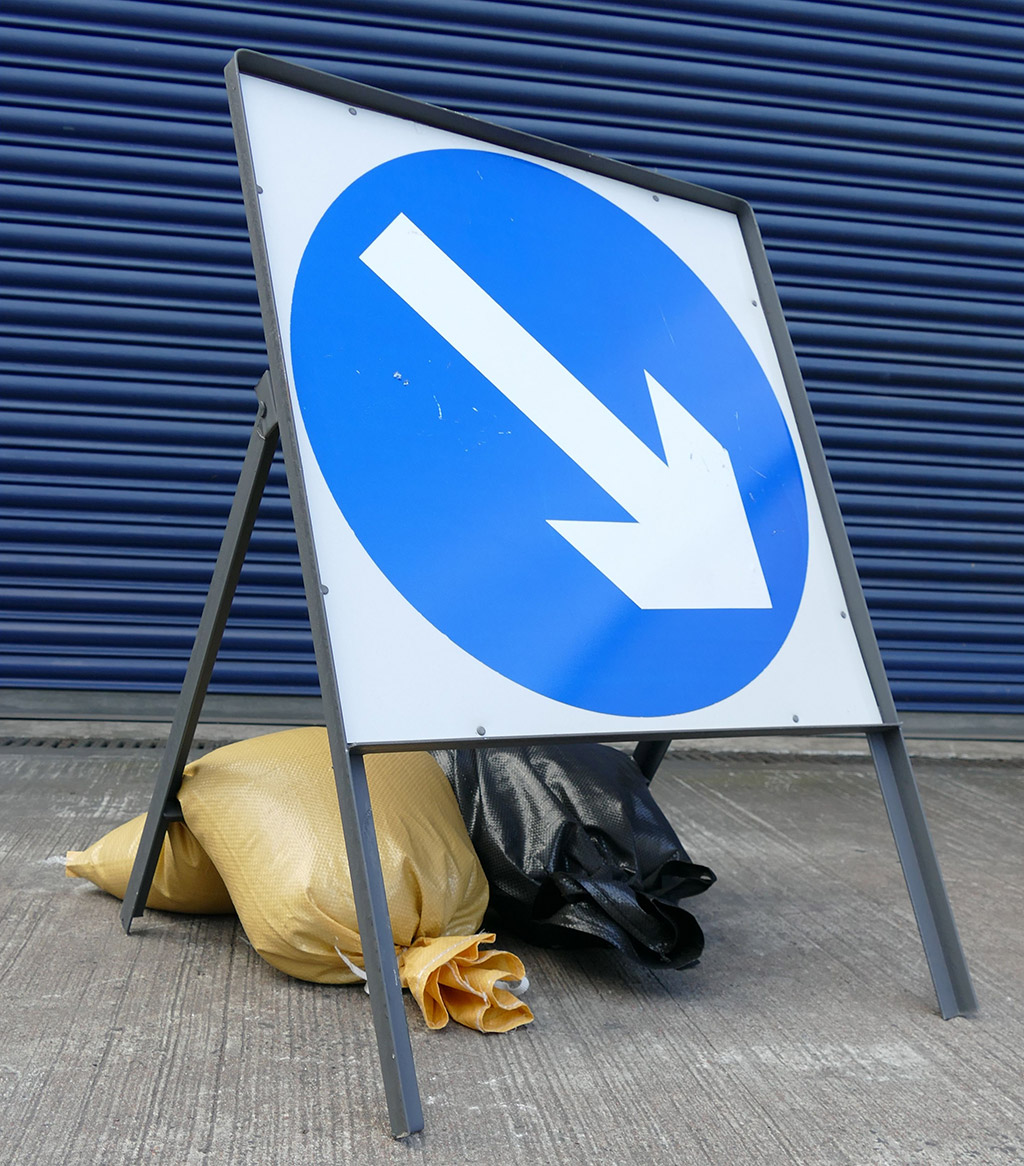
(451, 977)
(266, 812)
(185, 879)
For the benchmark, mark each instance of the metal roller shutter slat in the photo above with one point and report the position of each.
(880, 146)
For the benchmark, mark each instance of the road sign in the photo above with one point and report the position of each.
(556, 481)
(525, 287)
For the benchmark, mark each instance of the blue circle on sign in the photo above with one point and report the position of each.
(450, 487)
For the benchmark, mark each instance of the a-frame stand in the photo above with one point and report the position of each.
(392, 1032)
(928, 896)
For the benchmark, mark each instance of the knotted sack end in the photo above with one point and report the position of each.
(450, 977)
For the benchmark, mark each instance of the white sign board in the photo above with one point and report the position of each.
(554, 477)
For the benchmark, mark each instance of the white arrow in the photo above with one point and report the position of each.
(690, 546)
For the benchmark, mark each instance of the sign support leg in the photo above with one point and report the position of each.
(163, 808)
(928, 896)
(394, 1047)
(392, 1031)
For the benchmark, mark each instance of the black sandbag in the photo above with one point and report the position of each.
(576, 850)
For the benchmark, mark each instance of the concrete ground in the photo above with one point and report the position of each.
(808, 1034)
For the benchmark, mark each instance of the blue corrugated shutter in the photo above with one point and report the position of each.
(880, 145)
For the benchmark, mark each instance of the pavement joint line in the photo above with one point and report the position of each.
(133, 737)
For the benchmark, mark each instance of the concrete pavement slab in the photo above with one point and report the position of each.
(808, 1033)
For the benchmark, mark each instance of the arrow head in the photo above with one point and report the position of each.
(691, 546)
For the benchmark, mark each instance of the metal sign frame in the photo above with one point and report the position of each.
(950, 976)
(305, 147)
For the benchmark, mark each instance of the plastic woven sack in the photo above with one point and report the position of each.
(576, 850)
(266, 812)
(185, 879)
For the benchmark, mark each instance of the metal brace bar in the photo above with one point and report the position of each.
(928, 896)
(163, 807)
(649, 755)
